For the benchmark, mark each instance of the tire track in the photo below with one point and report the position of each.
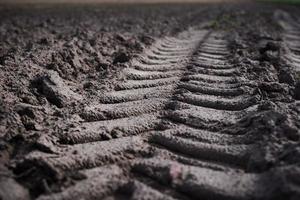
(135, 107)
(164, 129)
(204, 162)
(291, 36)
(204, 108)
(198, 182)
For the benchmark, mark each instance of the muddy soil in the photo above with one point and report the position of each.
(183, 101)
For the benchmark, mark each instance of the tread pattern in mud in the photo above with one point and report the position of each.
(164, 125)
(291, 34)
(192, 153)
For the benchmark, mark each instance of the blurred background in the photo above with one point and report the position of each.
(114, 1)
(140, 1)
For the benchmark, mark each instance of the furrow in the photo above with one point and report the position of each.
(215, 72)
(218, 102)
(210, 79)
(186, 38)
(210, 61)
(105, 130)
(221, 85)
(174, 51)
(231, 154)
(98, 183)
(158, 52)
(135, 84)
(154, 56)
(186, 42)
(148, 61)
(217, 52)
(170, 46)
(294, 59)
(89, 155)
(206, 183)
(203, 117)
(291, 36)
(295, 47)
(211, 45)
(212, 56)
(160, 152)
(159, 68)
(100, 112)
(175, 46)
(133, 74)
(204, 64)
(137, 94)
(201, 135)
(206, 89)
(195, 63)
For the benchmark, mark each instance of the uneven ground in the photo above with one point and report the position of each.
(150, 102)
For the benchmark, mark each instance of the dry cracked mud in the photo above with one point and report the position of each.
(191, 101)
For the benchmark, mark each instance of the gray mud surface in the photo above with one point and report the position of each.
(189, 101)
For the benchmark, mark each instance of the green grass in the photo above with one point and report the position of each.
(282, 1)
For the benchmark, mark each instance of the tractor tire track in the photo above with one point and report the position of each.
(164, 125)
(291, 35)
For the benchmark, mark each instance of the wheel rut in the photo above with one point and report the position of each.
(291, 36)
(164, 123)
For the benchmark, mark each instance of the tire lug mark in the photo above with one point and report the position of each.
(206, 183)
(177, 98)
